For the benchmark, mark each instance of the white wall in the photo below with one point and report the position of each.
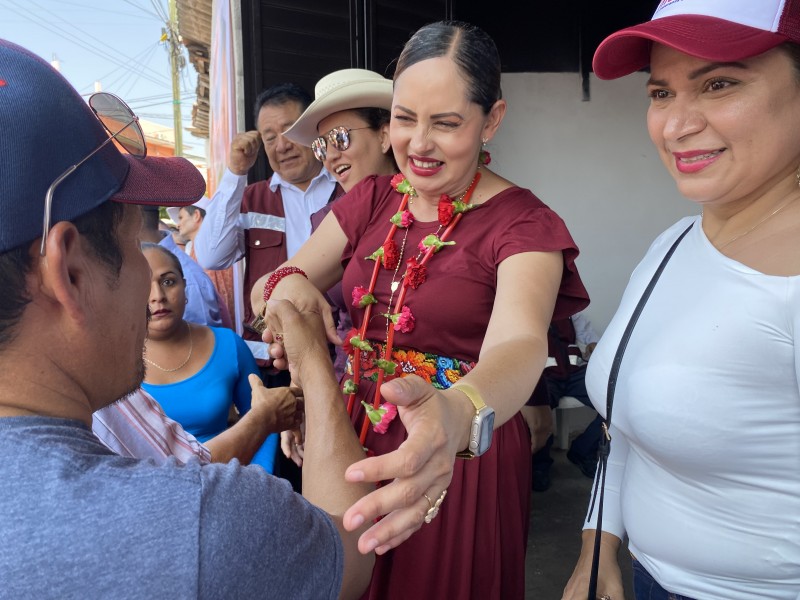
(593, 163)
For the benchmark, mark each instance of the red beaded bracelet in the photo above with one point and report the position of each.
(277, 275)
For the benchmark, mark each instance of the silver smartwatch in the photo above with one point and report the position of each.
(482, 425)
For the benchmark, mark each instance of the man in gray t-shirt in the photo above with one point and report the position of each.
(77, 520)
(95, 525)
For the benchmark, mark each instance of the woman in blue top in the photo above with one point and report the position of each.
(195, 372)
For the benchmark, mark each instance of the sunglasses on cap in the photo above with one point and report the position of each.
(338, 137)
(122, 124)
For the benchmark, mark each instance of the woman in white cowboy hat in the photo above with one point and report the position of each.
(347, 125)
(704, 469)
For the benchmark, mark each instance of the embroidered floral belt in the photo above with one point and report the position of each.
(440, 371)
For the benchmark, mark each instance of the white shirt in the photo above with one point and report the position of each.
(704, 471)
(584, 332)
(220, 241)
(299, 205)
(137, 427)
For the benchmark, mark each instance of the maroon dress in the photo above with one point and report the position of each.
(475, 547)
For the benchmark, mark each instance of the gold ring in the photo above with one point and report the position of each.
(605, 597)
(434, 506)
(278, 337)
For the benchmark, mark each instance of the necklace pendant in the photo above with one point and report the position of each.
(394, 286)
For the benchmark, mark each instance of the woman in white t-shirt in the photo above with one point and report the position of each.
(704, 471)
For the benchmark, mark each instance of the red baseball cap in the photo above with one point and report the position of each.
(714, 30)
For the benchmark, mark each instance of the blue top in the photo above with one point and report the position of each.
(201, 402)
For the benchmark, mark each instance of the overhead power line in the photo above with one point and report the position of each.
(143, 9)
(83, 41)
(168, 101)
(161, 11)
(98, 9)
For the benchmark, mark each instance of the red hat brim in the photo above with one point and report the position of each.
(709, 38)
(161, 181)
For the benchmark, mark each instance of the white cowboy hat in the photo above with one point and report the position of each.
(341, 90)
(173, 211)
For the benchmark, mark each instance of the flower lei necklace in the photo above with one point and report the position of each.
(401, 319)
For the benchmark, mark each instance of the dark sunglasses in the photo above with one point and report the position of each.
(338, 137)
(122, 124)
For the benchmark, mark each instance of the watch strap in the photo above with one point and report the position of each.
(477, 401)
(471, 393)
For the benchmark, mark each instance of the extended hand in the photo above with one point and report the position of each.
(306, 299)
(279, 405)
(423, 464)
(302, 338)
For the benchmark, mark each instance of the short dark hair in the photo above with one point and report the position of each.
(99, 229)
(168, 253)
(193, 209)
(282, 93)
(471, 49)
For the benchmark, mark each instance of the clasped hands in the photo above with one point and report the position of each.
(422, 463)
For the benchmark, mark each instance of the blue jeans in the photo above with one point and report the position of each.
(647, 588)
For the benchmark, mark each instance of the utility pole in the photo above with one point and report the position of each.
(177, 62)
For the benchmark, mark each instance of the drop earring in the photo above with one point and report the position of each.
(484, 158)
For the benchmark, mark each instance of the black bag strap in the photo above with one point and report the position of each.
(605, 440)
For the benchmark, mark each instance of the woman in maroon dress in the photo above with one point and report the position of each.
(455, 275)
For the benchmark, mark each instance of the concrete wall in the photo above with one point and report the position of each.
(594, 164)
